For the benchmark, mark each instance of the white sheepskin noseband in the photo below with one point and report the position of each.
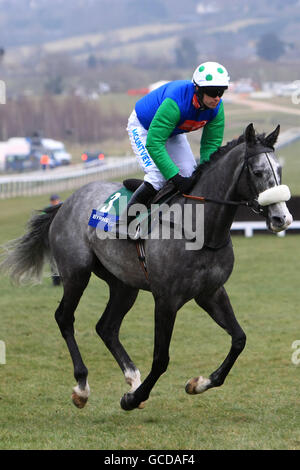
(274, 195)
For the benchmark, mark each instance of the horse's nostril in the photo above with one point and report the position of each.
(278, 221)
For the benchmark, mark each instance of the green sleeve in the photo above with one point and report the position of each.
(164, 122)
(212, 136)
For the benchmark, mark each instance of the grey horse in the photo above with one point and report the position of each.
(243, 171)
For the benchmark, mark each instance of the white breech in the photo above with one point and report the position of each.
(177, 147)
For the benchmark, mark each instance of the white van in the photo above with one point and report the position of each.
(58, 151)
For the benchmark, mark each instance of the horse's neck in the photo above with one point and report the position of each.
(220, 178)
(219, 181)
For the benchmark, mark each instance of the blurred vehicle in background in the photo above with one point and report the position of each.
(20, 154)
(19, 163)
(28, 162)
(3, 151)
(92, 158)
(57, 150)
(16, 155)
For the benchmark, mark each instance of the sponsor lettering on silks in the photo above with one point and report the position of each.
(141, 148)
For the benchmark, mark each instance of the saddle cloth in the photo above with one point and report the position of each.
(107, 216)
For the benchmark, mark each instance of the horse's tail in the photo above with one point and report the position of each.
(24, 257)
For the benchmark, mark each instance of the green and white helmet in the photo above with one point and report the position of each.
(211, 74)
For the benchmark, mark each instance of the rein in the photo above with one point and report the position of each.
(252, 204)
(203, 199)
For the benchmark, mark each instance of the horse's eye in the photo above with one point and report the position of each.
(257, 173)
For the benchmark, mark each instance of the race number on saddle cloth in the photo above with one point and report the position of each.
(160, 120)
(107, 216)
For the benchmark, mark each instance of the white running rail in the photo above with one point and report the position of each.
(249, 227)
(30, 185)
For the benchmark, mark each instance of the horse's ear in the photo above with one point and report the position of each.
(271, 139)
(250, 135)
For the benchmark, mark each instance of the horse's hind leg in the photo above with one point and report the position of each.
(64, 315)
(122, 297)
(219, 308)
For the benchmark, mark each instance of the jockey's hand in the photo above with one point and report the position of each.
(182, 183)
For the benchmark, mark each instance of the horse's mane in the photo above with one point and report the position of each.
(221, 151)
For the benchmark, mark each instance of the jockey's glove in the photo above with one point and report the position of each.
(182, 183)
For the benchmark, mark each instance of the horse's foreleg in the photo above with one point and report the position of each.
(64, 316)
(219, 308)
(164, 323)
(122, 297)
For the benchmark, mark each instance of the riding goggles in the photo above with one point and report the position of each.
(213, 91)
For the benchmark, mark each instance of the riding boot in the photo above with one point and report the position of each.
(142, 195)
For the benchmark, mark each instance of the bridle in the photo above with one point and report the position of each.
(251, 203)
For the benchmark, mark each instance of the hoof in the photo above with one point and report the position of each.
(80, 396)
(197, 385)
(79, 401)
(128, 402)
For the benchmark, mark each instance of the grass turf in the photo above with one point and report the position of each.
(256, 408)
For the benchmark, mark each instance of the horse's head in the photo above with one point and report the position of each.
(260, 179)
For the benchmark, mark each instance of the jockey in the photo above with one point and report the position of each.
(160, 120)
